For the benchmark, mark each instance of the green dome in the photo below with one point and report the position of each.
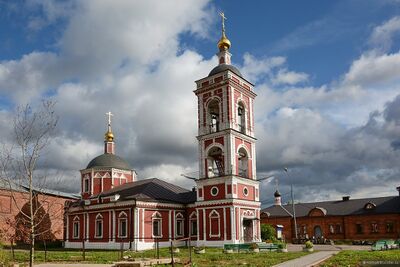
(109, 160)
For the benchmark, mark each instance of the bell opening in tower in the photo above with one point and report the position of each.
(215, 163)
(241, 118)
(243, 161)
(213, 113)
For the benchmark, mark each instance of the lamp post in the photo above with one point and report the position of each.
(293, 206)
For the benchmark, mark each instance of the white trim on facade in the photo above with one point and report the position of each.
(122, 217)
(156, 217)
(212, 216)
(98, 226)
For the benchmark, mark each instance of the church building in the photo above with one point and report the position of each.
(223, 208)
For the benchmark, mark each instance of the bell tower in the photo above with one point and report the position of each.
(227, 156)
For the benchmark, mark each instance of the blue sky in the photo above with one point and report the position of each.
(326, 73)
(321, 38)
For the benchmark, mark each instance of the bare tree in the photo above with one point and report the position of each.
(33, 130)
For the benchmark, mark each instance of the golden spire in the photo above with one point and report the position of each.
(109, 136)
(224, 42)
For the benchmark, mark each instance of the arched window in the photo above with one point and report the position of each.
(75, 227)
(86, 184)
(213, 115)
(243, 160)
(241, 117)
(193, 224)
(99, 226)
(215, 162)
(179, 222)
(122, 225)
(157, 224)
(214, 224)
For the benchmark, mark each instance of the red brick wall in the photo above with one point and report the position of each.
(148, 226)
(106, 226)
(251, 194)
(347, 223)
(215, 227)
(220, 195)
(53, 205)
(228, 223)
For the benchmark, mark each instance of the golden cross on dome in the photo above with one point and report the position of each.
(109, 114)
(223, 21)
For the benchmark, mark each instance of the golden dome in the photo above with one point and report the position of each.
(224, 43)
(109, 136)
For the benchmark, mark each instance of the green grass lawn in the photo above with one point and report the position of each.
(356, 258)
(212, 257)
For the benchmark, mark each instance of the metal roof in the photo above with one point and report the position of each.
(224, 67)
(383, 205)
(152, 189)
(109, 160)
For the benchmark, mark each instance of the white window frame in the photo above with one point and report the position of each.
(192, 218)
(245, 189)
(76, 221)
(99, 219)
(179, 217)
(156, 217)
(86, 180)
(122, 217)
(331, 228)
(211, 191)
(374, 227)
(215, 215)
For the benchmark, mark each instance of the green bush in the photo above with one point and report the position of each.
(281, 245)
(49, 244)
(309, 244)
(268, 232)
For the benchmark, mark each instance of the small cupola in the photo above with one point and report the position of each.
(224, 57)
(109, 145)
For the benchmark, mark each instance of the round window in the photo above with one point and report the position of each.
(214, 191)
(246, 191)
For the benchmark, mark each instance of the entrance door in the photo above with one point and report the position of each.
(317, 232)
(247, 230)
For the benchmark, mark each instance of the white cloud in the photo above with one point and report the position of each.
(169, 172)
(256, 68)
(29, 77)
(372, 69)
(126, 57)
(289, 77)
(105, 35)
(382, 35)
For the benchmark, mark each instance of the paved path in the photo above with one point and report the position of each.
(295, 247)
(308, 260)
(72, 265)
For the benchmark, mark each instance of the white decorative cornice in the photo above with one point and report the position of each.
(228, 202)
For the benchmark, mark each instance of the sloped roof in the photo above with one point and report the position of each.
(152, 189)
(338, 208)
(45, 191)
(109, 160)
(224, 67)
